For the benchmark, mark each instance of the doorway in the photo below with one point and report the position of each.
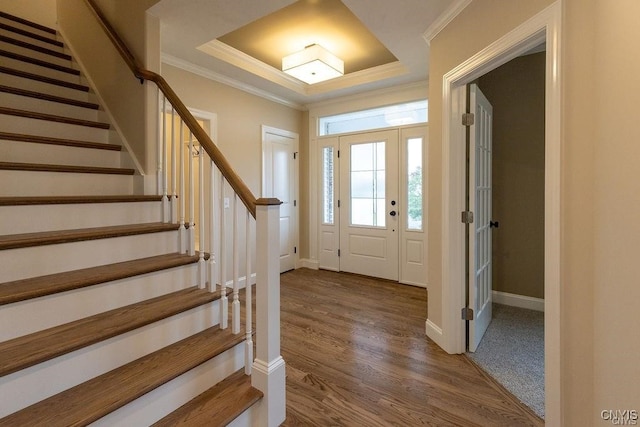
(279, 180)
(373, 204)
(542, 28)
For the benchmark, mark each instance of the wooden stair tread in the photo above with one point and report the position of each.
(44, 79)
(217, 406)
(58, 141)
(53, 118)
(38, 62)
(35, 287)
(37, 167)
(66, 200)
(47, 97)
(16, 30)
(31, 24)
(24, 240)
(28, 350)
(34, 47)
(89, 401)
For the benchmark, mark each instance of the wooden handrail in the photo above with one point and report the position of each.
(238, 185)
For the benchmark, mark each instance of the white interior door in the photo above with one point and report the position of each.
(480, 281)
(279, 155)
(369, 214)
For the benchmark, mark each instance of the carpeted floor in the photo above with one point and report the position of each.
(512, 352)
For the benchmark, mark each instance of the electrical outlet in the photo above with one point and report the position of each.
(226, 203)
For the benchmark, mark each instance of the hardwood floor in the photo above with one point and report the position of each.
(357, 355)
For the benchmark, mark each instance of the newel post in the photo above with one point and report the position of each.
(268, 373)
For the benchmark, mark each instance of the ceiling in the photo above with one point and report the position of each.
(241, 42)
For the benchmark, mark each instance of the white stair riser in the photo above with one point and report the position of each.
(160, 402)
(47, 107)
(28, 152)
(65, 62)
(35, 218)
(26, 183)
(48, 88)
(32, 40)
(37, 314)
(248, 418)
(36, 261)
(28, 67)
(33, 384)
(28, 28)
(25, 125)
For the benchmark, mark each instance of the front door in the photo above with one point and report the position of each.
(369, 214)
(480, 280)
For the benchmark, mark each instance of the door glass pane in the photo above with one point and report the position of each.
(414, 183)
(367, 178)
(328, 185)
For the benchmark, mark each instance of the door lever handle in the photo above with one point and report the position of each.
(494, 224)
(392, 213)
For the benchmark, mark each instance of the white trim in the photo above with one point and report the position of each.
(219, 78)
(521, 301)
(444, 19)
(308, 263)
(233, 56)
(241, 281)
(434, 332)
(103, 104)
(546, 26)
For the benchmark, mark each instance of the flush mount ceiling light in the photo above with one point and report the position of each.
(312, 65)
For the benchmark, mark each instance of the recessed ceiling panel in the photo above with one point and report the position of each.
(328, 23)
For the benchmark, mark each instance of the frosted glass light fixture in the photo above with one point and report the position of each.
(313, 64)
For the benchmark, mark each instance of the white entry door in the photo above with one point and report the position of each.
(480, 280)
(279, 179)
(369, 214)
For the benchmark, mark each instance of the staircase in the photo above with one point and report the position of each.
(102, 320)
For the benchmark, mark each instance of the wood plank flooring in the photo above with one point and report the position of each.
(357, 355)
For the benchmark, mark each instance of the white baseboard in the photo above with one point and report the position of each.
(434, 332)
(521, 301)
(308, 263)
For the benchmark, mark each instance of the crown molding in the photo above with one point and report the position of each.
(217, 77)
(444, 19)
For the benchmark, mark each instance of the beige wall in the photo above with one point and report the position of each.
(516, 91)
(122, 93)
(240, 117)
(42, 12)
(600, 202)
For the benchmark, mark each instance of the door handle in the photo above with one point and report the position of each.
(392, 213)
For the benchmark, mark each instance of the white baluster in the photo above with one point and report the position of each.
(192, 234)
(182, 234)
(161, 130)
(248, 344)
(163, 166)
(224, 303)
(174, 155)
(235, 306)
(212, 231)
(201, 263)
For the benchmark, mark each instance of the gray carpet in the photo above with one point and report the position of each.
(512, 352)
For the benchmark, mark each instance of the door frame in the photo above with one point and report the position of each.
(296, 184)
(543, 27)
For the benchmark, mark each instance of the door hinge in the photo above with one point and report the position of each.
(467, 217)
(295, 155)
(295, 249)
(467, 313)
(338, 153)
(338, 203)
(467, 119)
(295, 203)
(338, 252)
